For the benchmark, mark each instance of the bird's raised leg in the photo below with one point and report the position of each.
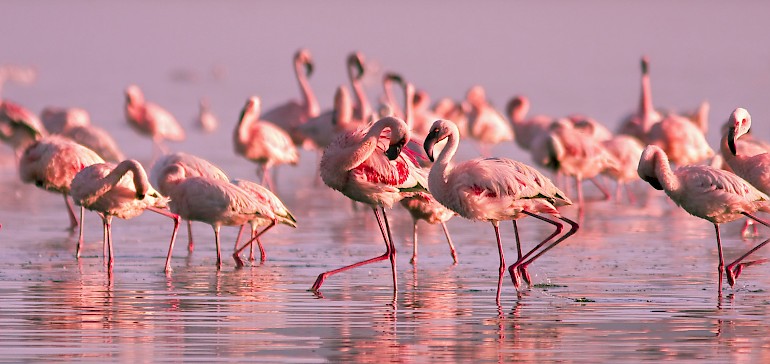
(414, 242)
(733, 270)
(523, 267)
(449, 241)
(501, 269)
(322, 277)
(71, 212)
(177, 220)
(255, 237)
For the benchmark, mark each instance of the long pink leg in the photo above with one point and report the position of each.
(70, 212)
(601, 188)
(177, 220)
(110, 259)
(79, 246)
(501, 269)
(389, 252)
(732, 271)
(238, 238)
(449, 241)
(190, 244)
(513, 268)
(522, 266)
(255, 237)
(721, 266)
(414, 242)
(219, 251)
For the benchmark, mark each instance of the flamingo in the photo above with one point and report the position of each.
(495, 189)
(388, 98)
(485, 124)
(627, 151)
(712, 194)
(526, 130)
(149, 119)
(362, 110)
(206, 120)
(75, 123)
(193, 166)
(209, 200)
(107, 189)
(324, 128)
(51, 163)
(361, 169)
(261, 141)
(281, 215)
(19, 127)
(456, 112)
(423, 206)
(753, 166)
(291, 114)
(637, 124)
(56, 120)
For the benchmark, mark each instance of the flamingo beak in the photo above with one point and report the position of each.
(654, 183)
(428, 144)
(731, 140)
(395, 150)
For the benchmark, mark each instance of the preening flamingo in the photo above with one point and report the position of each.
(51, 163)
(19, 127)
(261, 141)
(281, 215)
(109, 190)
(149, 119)
(291, 114)
(485, 124)
(193, 166)
(209, 200)
(495, 189)
(363, 170)
(712, 194)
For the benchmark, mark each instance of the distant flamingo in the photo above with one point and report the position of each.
(362, 110)
(324, 128)
(290, 115)
(423, 206)
(150, 119)
(193, 166)
(107, 189)
(19, 127)
(281, 215)
(495, 189)
(627, 150)
(485, 124)
(206, 119)
(51, 163)
(637, 124)
(212, 201)
(456, 112)
(57, 119)
(261, 141)
(388, 97)
(753, 167)
(526, 130)
(364, 171)
(712, 194)
(75, 123)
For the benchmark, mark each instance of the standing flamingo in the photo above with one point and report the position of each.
(456, 112)
(193, 166)
(261, 141)
(362, 110)
(19, 127)
(423, 206)
(75, 123)
(637, 124)
(495, 189)
(290, 115)
(51, 163)
(627, 151)
(712, 194)
(150, 119)
(206, 120)
(364, 171)
(485, 124)
(209, 200)
(526, 130)
(108, 189)
(281, 215)
(324, 128)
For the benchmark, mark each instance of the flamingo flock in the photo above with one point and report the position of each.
(401, 153)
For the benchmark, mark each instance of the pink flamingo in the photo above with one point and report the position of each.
(324, 128)
(754, 165)
(362, 110)
(423, 206)
(627, 151)
(51, 163)
(281, 215)
(150, 119)
(456, 112)
(108, 189)
(495, 189)
(388, 99)
(209, 200)
(19, 127)
(193, 166)
(485, 124)
(637, 124)
(712, 194)
(206, 120)
(361, 169)
(261, 141)
(75, 123)
(290, 115)
(56, 120)
(526, 130)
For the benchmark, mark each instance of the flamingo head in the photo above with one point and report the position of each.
(356, 62)
(399, 136)
(303, 57)
(645, 65)
(651, 157)
(251, 108)
(134, 95)
(739, 124)
(440, 130)
(519, 105)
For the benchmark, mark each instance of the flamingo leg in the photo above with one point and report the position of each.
(262, 254)
(70, 212)
(177, 220)
(388, 246)
(573, 229)
(720, 267)
(601, 188)
(414, 242)
(255, 237)
(110, 259)
(630, 194)
(501, 269)
(190, 244)
(449, 241)
(79, 246)
(238, 238)
(515, 268)
(219, 251)
(579, 187)
(392, 249)
(518, 241)
(733, 270)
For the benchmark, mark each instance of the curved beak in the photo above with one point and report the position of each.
(395, 149)
(654, 183)
(430, 140)
(731, 140)
(309, 67)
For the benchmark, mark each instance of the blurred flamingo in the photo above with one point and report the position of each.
(19, 127)
(495, 189)
(627, 150)
(75, 123)
(149, 119)
(485, 124)
(358, 166)
(423, 206)
(206, 120)
(292, 114)
(526, 130)
(712, 194)
(107, 189)
(362, 109)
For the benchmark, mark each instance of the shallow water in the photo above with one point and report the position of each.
(637, 282)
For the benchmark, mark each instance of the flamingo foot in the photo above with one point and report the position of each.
(238, 260)
(190, 246)
(318, 282)
(252, 257)
(745, 231)
(525, 274)
(413, 261)
(515, 278)
(734, 271)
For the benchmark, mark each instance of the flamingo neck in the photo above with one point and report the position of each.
(369, 143)
(666, 176)
(363, 109)
(140, 181)
(646, 109)
(409, 105)
(312, 109)
(437, 178)
(248, 119)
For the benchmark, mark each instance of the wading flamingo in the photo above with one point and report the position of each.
(193, 166)
(637, 124)
(75, 123)
(423, 206)
(208, 200)
(281, 215)
(262, 142)
(485, 124)
(712, 194)
(495, 189)
(324, 128)
(19, 127)
(290, 115)
(361, 169)
(150, 119)
(456, 112)
(51, 163)
(109, 190)
(627, 150)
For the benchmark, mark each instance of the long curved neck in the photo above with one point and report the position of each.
(666, 177)
(646, 109)
(310, 101)
(141, 183)
(437, 178)
(368, 144)
(387, 85)
(248, 118)
(363, 109)
(409, 104)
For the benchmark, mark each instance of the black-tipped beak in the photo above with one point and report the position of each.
(395, 149)
(428, 144)
(309, 68)
(731, 140)
(654, 183)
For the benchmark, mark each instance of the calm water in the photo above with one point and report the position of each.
(637, 282)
